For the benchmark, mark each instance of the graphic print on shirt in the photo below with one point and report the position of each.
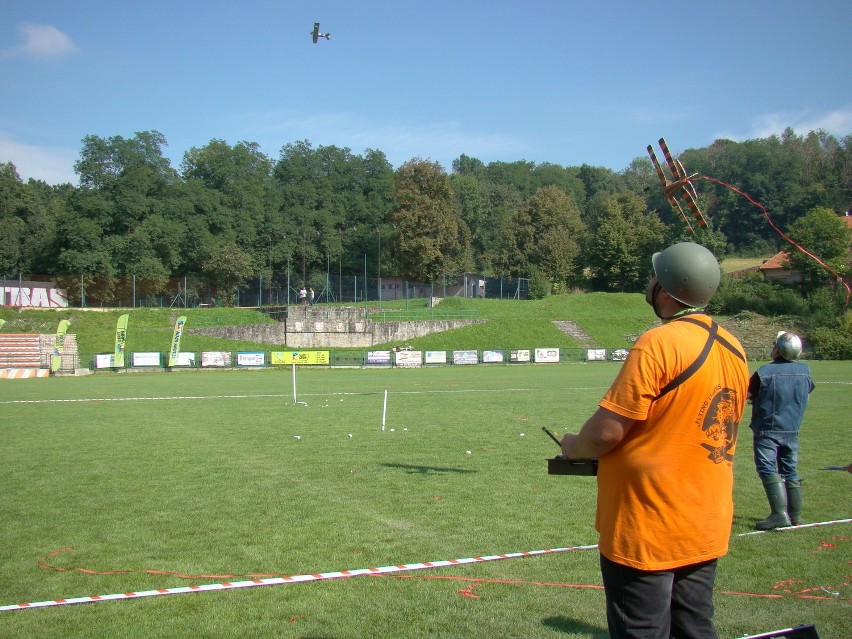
(718, 420)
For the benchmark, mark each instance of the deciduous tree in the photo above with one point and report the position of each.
(431, 238)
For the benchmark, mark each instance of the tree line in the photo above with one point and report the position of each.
(230, 213)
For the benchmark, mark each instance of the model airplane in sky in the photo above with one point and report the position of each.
(316, 35)
(680, 186)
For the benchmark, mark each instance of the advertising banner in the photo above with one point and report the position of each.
(379, 357)
(173, 353)
(105, 360)
(185, 359)
(465, 357)
(147, 359)
(409, 358)
(251, 359)
(59, 345)
(120, 340)
(492, 357)
(215, 359)
(596, 355)
(436, 357)
(519, 355)
(547, 356)
(322, 358)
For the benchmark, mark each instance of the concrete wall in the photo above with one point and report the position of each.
(321, 331)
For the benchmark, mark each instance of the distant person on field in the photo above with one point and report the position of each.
(665, 434)
(311, 296)
(779, 395)
(303, 296)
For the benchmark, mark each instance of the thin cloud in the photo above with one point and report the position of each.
(53, 165)
(41, 42)
(400, 141)
(837, 123)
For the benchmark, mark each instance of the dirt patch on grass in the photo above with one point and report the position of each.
(756, 332)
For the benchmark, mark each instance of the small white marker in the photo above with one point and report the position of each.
(384, 409)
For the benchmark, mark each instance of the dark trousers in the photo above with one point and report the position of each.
(676, 604)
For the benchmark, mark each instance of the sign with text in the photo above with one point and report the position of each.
(436, 357)
(251, 358)
(37, 294)
(147, 359)
(106, 360)
(215, 359)
(379, 357)
(408, 358)
(322, 358)
(492, 357)
(547, 356)
(465, 357)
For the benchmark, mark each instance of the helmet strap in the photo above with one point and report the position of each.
(681, 313)
(652, 300)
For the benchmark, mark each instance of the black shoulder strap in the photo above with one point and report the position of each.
(688, 372)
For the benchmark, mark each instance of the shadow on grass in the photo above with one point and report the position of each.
(747, 521)
(564, 624)
(423, 470)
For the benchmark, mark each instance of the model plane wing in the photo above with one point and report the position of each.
(680, 186)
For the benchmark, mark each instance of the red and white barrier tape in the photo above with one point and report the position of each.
(277, 581)
(797, 527)
(324, 576)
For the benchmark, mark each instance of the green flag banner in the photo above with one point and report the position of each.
(59, 345)
(120, 339)
(2, 321)
(173, 354)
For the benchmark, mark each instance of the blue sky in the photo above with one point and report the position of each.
(549, 81)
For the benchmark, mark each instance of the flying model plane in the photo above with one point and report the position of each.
(680, 186)
(316, 35)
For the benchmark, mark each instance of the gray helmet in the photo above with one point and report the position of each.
(688, 272)
(789, 345)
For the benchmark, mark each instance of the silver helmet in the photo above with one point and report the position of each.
(788, 345)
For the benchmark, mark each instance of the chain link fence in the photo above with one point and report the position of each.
(282, 289)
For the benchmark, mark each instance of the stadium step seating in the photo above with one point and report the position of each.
(24, 355)
(20, 351)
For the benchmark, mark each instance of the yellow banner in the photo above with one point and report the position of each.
(59, 345)
(300, 357)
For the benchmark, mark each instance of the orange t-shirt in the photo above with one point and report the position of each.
(665, 493)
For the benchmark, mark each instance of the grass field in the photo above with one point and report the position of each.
(733, 264)
(113, 484)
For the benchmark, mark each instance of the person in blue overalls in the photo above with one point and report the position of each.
(778, 392)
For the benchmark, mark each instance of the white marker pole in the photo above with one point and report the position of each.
(294, 384)
(384, 410)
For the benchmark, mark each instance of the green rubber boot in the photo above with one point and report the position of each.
(777, 495)
(794, 501)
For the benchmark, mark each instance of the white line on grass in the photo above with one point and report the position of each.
(254, 396)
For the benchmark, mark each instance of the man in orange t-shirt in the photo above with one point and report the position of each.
(665, 435)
